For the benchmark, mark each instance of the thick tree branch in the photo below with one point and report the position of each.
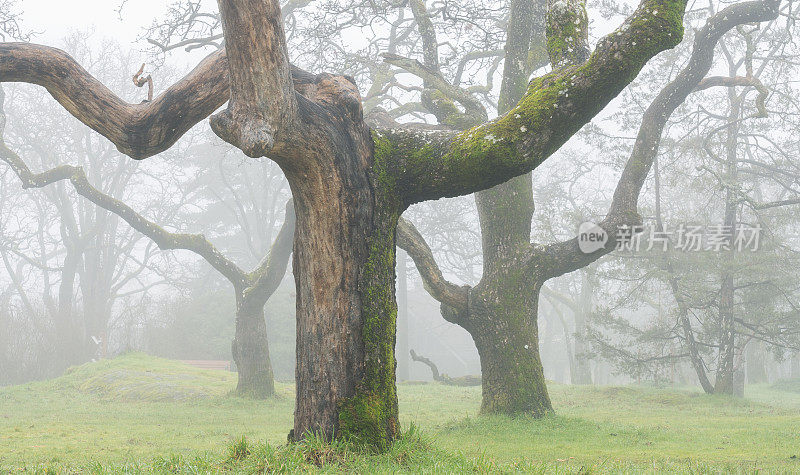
(143, 130)
(448, 293)
(435, 165)
(138, 130)
(263, 107)
(430, 364)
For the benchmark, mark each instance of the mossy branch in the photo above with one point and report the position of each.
(439, 164)
(567, 32)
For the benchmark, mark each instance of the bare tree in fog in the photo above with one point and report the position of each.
(567, 195)
(747, 175)
(10, 24)
(86, 265)
(579, 303)
(250, 347)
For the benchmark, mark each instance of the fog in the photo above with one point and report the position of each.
(394, 225)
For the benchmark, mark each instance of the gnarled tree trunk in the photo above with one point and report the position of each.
(503, 307)
(344, 262)
(503, 323)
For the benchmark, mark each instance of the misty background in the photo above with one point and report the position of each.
(73, 274)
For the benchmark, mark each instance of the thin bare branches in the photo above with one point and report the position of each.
(196, 243)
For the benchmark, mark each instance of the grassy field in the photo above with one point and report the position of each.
(141, 414)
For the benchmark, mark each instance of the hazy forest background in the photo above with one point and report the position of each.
(642, 328)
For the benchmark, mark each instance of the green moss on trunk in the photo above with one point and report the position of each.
(371, 417)
(503, 323)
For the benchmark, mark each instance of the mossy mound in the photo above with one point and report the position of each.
(143, 378)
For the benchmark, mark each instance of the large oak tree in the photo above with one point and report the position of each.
(350, 183)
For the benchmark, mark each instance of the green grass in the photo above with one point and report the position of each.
(142, 414)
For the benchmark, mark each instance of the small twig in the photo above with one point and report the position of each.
(141, 81)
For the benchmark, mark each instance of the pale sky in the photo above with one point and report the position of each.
(57, 18)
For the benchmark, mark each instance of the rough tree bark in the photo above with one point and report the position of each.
(349, 184)
(403, 370)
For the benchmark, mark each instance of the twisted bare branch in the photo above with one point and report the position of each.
(138, 130)
(448, 293)
(196, 243)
